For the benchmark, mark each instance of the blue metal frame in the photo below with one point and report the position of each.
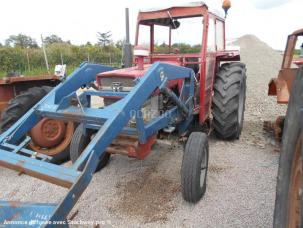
(109, 122)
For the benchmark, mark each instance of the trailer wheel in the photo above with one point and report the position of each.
(288, 206)
(194, 167)
(78, 144)
(229, 100)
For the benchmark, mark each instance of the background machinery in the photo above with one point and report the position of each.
(18, 94)
(166, 91)
(288, 88)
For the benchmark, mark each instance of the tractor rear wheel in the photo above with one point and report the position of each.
(79, 143)
(229, 100)
(62, 132)
(289, 201)
(194, 167)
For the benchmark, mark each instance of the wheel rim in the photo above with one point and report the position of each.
(241, 104)
(48, 133)
(56, 149)
(203, 167)
(295, 188)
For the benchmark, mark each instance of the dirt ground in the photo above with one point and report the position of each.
(240, 185)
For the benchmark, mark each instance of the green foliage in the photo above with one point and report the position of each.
(21, 53)
(182, 48)
(52, 39)
(104, 38)
(15, 59)
(21, 41)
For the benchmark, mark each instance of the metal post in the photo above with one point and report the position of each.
(45, 56)
(61, 58)
(128, 59)
(127, 24)
(28, 65)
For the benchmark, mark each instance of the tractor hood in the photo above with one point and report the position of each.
(132, 72)
(125, 77)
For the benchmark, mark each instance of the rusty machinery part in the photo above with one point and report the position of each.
(79, 142)
(48, 133)
(194, 167)
(229, 100)
(288, 206)
(276, 127)
(19, 105)
(51, 137)
(295, 188)
(130, 146)
(282, 85)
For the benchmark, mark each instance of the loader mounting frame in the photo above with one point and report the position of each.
(109, 122)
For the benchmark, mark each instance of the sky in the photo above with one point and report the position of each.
(79, 20)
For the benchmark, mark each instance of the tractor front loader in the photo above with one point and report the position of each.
(165, 92)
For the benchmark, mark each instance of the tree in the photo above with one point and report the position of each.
(22, 41)
(104, 39)
(53, 39)
(119, 44)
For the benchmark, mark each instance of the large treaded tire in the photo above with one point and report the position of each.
(229, 100)
(194, 167)
(78, 144)
(291, 150)
(19, 105)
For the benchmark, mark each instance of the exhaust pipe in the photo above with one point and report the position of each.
(127, 58)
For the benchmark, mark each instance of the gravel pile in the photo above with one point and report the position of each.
(132, 193)
(263, 63)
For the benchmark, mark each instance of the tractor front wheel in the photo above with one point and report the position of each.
(79, 142)
(229, 100)
(194, 167)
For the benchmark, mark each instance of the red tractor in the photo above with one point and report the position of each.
(169, 90)
(220, 77)
(220, 86)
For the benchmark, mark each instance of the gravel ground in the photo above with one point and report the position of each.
(132, 193)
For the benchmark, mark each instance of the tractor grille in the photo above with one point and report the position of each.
(111, 83)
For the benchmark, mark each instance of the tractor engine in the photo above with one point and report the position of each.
(123, 80)
(122, 83)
